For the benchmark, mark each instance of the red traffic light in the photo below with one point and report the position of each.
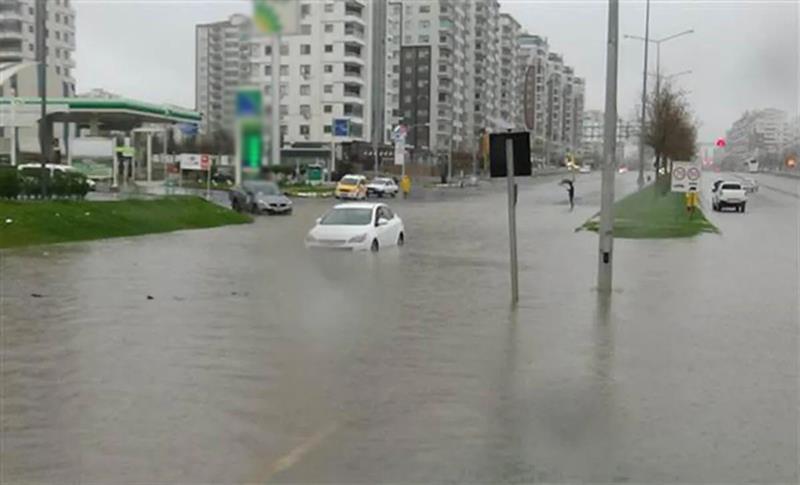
(721, 142)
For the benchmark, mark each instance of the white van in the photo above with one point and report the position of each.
(54, 167)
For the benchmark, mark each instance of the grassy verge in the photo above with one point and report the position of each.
(649, 214)
(24, 223)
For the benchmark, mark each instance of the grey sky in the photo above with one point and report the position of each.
(743, 55)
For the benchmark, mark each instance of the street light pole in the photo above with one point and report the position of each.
(640, 179)
(41, 53)
(606, 229)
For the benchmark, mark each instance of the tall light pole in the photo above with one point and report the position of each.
(606, 229)
(41, 54)
(647, 40)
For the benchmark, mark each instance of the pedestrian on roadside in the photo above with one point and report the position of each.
(571, 193)
(405, 185)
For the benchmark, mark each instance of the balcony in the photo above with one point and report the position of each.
(353, 29)
(354, 10)
(352, 50)
(352, 90)
(353, 71)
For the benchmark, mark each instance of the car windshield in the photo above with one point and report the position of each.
(265, 188)
(731, 186)
(382, 181)
(349, 181)
(347, 217)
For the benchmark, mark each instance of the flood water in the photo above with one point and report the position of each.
(234, 355)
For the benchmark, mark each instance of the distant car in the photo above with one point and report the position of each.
(728, 194)
(750, 185)
(351, 187)
(259, 196)
(357, 226)
(53, 168)
(623, 169)
(585, 169)
(382, 187)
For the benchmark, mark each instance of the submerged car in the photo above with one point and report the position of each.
(351, 187)
(357, 226)
(258, 196)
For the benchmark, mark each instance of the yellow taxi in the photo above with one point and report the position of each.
(351, 187)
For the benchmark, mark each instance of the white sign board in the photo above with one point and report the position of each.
(92, 147)
(686, 176)
(400, 153)
(194, 161)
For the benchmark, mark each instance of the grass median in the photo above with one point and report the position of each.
(26, 223)
(650, 214)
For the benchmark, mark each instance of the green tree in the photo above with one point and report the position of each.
(671, 130)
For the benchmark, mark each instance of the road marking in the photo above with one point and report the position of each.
(291, 458)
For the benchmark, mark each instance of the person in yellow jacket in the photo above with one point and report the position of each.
(405, 185)
(692, 201)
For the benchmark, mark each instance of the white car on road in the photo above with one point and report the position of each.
(357, 226)
(726, 193)
(382, 187)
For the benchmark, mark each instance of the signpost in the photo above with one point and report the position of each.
(340, 128)
(686, 177)
(509, 156)
(249, 133)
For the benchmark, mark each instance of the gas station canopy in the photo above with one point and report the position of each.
(108, 114)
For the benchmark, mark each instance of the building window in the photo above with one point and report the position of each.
(328, 108)
(427, 9)
(305, 49)
(305, 10)
(284, 70)
(284, 49)
(328, 88)
(268, 50)
(328, 28)
(328, 48)
(267, 89)
(58, 35)
(58, 69)
(305, 89)
(442, 97)
(329, 7)
(284, 110)
(305, 29)
(328, 68)
(424, 38)
(305, 130)
(424, 24)
(326, 128)
(30, 29)
(305, 70)
(58, 17)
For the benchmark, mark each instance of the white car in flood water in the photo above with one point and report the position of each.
(357, 226)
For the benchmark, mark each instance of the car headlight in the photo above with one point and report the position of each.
(358, 239)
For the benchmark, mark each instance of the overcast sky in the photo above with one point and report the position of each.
(743, 54)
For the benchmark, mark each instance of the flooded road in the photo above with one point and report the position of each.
(235, 356)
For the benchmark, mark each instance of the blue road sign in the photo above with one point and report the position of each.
(248, 103)
(341, 127)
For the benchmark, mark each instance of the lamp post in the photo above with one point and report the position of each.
(647, 40)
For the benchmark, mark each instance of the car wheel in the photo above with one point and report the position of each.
(254, 209)
(236, 206)
(401, 239)
(741, 208)
(375, 246)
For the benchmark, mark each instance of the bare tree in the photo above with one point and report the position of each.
(671, 131)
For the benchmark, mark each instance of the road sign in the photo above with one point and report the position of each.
(205, 162)
(522, 154)
(686, 176)
(341, 127)
(400, 153)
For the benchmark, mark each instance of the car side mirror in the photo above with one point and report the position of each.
(383, 221)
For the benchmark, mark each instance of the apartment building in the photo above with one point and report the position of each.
(486, 66)
(758, 133)
(535, 68)
(510, 105)
(18, 39)
(222, 65)
(428, 68)
(327, 72)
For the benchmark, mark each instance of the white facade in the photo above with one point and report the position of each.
(18, 37)
(222, 64)
(511, 74)
(325, 72)
(486, 66)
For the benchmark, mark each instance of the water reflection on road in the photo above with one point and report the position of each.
(256, 360)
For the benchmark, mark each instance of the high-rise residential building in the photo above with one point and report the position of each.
(427, 70)
(758, 133)
(222, 65)
(535, 68)
(18, 39)
(510, 99)
(327, 72)
(486, 68)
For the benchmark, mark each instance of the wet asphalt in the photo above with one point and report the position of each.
(233, 355)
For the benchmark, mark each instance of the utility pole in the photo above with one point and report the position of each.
(41, 53)
(640, 180)
(512, 220)
(276, 100)
(606, 230)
